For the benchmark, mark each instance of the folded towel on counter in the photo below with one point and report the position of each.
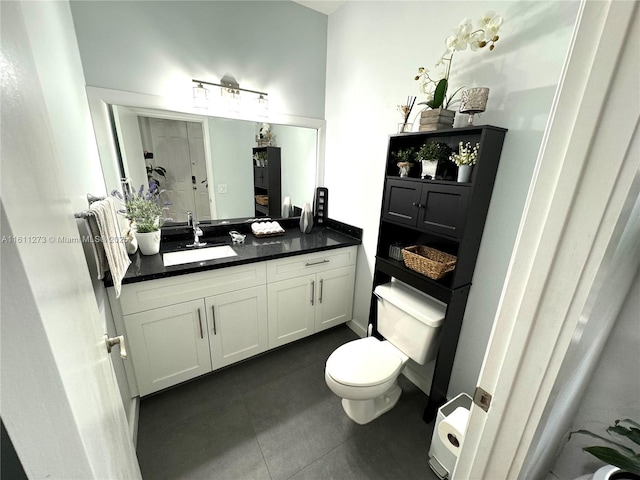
(266, 228)
(112, 241)
(98, 248)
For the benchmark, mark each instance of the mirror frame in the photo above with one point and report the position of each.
(169, 107)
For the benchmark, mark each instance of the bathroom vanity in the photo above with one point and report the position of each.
(186, 320)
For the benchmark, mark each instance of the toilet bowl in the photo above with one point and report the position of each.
(365, 372)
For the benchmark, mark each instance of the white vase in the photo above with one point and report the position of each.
(287, 207)
(149, 243)
(306, 219)
(464, 173)
(429, 168)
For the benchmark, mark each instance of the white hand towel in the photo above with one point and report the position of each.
(114, 246)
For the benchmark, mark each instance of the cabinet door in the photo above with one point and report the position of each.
(291, 309)
(334, 304)
(443, 209)
(168, 345)
(261, 177)
(401, 198)
(237, 324)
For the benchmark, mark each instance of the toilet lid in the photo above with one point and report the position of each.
(363, 363)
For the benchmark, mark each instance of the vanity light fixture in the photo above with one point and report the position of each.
(231, 92)
(200, 96)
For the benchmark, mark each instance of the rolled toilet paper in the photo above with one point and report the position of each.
(452, 429)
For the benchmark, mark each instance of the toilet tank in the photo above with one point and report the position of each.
(410, 320)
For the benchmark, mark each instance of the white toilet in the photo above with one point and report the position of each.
(364, 372)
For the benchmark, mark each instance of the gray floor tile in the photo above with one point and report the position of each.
(360, 457)
(297, 420)
(273, 417)
(221, 444)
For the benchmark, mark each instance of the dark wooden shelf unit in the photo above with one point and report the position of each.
(443, 214)
(267, 181)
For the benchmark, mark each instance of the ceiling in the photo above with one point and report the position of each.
(324, 6)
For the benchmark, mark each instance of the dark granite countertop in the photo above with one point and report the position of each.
(330, 236)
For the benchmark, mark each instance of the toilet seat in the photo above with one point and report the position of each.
(363, 363)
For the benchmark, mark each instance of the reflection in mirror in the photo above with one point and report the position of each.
(126, 124)
(206, 166)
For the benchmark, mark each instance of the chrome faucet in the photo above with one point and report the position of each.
(197, 231)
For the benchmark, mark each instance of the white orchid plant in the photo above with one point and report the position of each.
(485, 35)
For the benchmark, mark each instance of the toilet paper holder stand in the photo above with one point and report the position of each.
(441, 460)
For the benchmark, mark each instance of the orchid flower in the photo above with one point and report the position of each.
(463, 36)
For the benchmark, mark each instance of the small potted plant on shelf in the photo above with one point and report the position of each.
(465, 159)
(145, 214)
(623, 461)
(429, 155)
(405, 160)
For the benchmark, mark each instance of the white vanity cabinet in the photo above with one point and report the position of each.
(177, 328)
(168, 345)
(170, 328)
(237, 324)
(309, 293)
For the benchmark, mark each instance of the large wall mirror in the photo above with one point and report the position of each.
(207, 157)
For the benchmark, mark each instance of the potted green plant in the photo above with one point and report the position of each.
(465, 159)
(624, 461)
(145, 214)
(405, 160)
(430, 154)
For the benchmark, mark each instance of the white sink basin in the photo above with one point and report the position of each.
(197, 255)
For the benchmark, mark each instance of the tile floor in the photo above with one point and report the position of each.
(273, 417)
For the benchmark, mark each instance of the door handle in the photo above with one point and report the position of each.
(213, 315)
(200, 323)
(119, 340)
(321, 282)
(313, 290)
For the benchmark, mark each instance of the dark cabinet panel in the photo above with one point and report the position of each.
(267, 182)
(401, 201)
(443, 209)
(261, 177)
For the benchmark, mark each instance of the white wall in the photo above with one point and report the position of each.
(232, 165)
(55, 51)
(374, 51)
(158, 47)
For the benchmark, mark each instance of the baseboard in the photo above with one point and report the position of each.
(357, 328)
(134, 416)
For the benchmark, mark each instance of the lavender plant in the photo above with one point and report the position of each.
(144, 209)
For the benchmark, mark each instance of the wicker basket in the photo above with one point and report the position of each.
(262, 200)
(428, 261)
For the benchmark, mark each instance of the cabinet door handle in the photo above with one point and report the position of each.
(213, 315)
(313, 290)
(316, 263)
(321, 282)
(200, 322)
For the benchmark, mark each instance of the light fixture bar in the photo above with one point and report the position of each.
(230, 85)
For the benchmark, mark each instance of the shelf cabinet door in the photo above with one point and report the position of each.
(261, 177)
(443, 209)
(291, 309)
(168, 345)
(334, 297)
(401, 199)
(237, 324)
